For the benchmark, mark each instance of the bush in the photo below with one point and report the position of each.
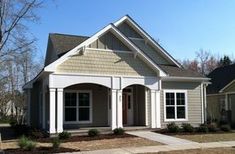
(93, 132)
(212, 127)
(64, 135)
(56, 143)
(172, 128)
(118, 131)
(36, 134)
(187, 127)
(225, 128)
(203, 128)
(26, 144)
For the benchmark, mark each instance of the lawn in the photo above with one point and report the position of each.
(201, 151)
(214, 137)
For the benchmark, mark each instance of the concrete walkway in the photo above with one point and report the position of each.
(165, 139)
(155, 149)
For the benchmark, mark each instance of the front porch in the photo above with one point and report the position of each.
(105, 103)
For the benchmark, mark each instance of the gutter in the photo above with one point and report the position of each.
(177, 78)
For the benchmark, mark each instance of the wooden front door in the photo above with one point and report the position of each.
(124, 108)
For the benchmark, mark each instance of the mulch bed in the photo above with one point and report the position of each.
(86, 138)
(40, 150)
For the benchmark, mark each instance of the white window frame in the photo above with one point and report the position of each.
(186, 105)
(77, 107)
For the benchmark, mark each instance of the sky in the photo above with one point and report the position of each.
(182, 27)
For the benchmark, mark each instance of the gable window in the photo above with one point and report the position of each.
(175, 105)
(77, 107)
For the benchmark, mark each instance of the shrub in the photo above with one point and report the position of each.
(56, 143)
(225, 128)
(187, 127)
(172, 128)
(212, 127)
(36, 134)
(118, 131)
(64, 135)
(93, 132)
(203, 128)
(26, 144)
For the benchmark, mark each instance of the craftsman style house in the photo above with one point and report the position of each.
(116, 78)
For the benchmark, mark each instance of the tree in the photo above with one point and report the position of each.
(225, 61)
(17, 49)
(202, 57)
(13, 16)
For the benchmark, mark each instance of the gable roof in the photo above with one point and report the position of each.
(220, 78)
(147, 36)
(62, 43)
(81, 47)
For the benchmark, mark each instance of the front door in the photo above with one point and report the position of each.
(127, 108)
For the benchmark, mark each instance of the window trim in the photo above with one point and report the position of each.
(186, 105)
(77, 107)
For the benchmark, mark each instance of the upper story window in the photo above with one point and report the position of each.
(175, 103)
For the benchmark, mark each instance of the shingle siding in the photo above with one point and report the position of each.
(106, 62)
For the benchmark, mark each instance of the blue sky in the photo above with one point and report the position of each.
(181, 26)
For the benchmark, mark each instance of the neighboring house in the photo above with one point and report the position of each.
(221, 94)
(118, 77)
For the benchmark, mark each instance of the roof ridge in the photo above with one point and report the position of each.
(69, 35)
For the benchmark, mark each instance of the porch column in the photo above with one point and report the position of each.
(119, 109)
(59, 110)
(113, 109)
(52, 112)
(153, 108)
(158, 110)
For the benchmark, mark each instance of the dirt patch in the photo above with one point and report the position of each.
(85, 143)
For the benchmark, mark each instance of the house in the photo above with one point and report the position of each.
(221, 94)
(116, 78)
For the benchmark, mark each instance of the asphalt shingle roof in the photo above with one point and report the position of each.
(220, 77)
(179, 72)
(62, 43)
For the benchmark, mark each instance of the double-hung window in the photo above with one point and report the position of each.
(175, 105)
(77, 107)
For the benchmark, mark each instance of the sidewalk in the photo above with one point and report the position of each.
(155, 149)
(165, 139)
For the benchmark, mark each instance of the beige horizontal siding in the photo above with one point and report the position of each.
(194, 102)
(106, 62)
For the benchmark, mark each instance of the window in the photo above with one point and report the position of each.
(175, 105)
(78, 107)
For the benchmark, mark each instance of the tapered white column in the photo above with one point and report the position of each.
(119, 109)
(59, 110)
(153, 108)
(52, 112)
(158, 110)
(113, 109)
